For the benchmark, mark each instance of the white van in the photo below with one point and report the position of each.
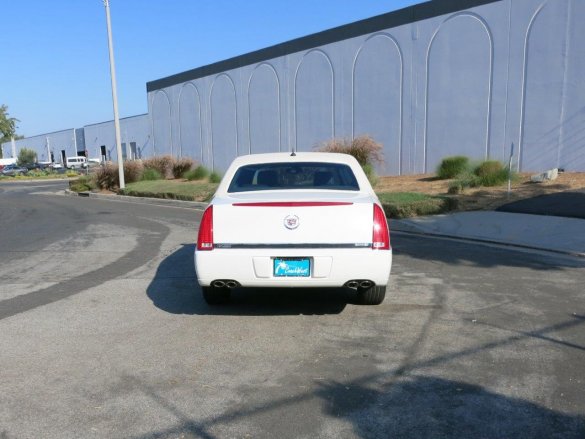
(76, 162)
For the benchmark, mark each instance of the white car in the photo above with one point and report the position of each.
(294, 220)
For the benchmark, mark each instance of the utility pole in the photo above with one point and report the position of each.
(115, 96)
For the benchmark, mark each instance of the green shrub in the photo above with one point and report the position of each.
(451, 167)
(26, 157)
(214, 177)
(371, 174)
(181, 166)
(37, 173)
(71, 173)
(133, 170)
(83, 183)
(106, 177)
(163, 164)
(464, 181)
(488, 167)
(151, 174)
(199, 173)
(363, 148)
(409, 204)
(491, 173)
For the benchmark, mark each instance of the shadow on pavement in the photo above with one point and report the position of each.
(417, 406)
(570, 204)
(463, 253)
(174, 289)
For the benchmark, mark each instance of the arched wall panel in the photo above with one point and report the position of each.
(190, 134)
(161, 124)
(314, 101)
(544, 70)
(467, 77)
(264, 110)
(377, 98)
(459, 76)
(224, 133)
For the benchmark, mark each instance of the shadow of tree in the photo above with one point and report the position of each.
(174, 289)
(416, 406)
(429, 407)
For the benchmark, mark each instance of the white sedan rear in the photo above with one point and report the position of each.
(294, 220)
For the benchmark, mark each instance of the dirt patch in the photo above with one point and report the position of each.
(483, 198)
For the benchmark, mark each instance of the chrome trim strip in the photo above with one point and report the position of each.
(288, 246)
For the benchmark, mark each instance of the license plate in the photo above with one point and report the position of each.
(292, 267)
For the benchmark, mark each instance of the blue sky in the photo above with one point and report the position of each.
(55, 73)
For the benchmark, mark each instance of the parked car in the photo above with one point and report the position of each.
(5, 162)
(294, 220)
(35, 166)
(92, 163)
(13, 170)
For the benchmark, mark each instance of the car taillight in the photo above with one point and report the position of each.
(381, 233)
(205, 237)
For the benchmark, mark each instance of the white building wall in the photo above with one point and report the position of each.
(471, 81)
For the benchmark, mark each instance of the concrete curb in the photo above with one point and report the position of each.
(42, 180)
(411, 230)
(140, 200)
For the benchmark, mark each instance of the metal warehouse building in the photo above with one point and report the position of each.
(436, 79)
(53, 146)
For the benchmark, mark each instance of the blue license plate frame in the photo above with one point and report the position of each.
(291, 267)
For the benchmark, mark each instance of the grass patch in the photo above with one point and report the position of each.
(410, 204)
(39, 176)
(199, 173)
(83, 184)
(173, 190)
(151, 174)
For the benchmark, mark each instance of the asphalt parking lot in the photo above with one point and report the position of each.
(104, 334)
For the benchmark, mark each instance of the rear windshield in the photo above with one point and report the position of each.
(277, 176)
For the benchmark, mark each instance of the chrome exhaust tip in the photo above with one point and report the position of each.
(352, 284)
(366, 284)
(231, 284)
(218, 284)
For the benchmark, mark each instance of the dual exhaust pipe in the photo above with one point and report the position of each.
(359, 283)
(228, 283)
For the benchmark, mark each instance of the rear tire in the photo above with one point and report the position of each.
(216, 296)
(372, 296)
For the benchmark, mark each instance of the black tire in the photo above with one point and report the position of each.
(373, 295)
(216, 296)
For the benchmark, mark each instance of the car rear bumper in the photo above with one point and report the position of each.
(255, 267)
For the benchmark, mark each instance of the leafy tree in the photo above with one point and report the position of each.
(7, 126)
(26, 156)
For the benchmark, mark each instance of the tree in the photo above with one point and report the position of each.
(7, 126)
(26, 157)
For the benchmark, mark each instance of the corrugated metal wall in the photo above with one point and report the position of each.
(466, 82)
(71, 141)
(134, 131)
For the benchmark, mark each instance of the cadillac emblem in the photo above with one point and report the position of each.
(291, 222)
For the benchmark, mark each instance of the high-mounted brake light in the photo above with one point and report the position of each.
(205, 237)
(294, 204)
(381, 233)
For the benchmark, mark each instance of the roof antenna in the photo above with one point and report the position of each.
(293, 153)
